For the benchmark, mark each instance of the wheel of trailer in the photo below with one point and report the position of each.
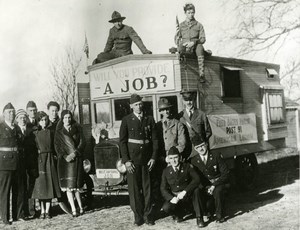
(246, 171)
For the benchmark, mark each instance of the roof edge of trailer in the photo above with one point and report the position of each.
(134, 57)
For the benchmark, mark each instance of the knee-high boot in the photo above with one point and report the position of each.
(201, 69)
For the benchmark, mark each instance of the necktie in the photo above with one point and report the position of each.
(165, 124)
(191, 114)
(204, 160)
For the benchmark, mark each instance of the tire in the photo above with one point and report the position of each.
(246, 171)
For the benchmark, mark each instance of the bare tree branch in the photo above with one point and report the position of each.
(64, 72)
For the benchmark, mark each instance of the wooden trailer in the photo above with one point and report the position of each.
(243, 99)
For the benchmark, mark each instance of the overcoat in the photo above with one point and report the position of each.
(67, 142)
(46, 185)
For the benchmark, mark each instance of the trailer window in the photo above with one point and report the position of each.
(231, 82)
(275, 108)
(102, 112)
(122, 108)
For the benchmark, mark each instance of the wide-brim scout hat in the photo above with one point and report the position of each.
(164, 103)
(188, 95)
(135, 98)
(120, 166)
(116, 17)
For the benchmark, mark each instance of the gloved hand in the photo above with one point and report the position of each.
(174, 200)
(181, 195)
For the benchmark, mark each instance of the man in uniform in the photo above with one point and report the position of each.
(194, 119)
(138, 146)
(31, 110)
(170, 133)
(9, 141)
(214, 175)
(119, 40)
(179, 187)
(31, 154)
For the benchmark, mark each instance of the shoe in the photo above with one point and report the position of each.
(22, 219)
(7, 222)
(149, 222)
(220, 220)
(200, 222)
(177, 219)
(138, 223)
(42, 216)
(81, 211)
(74, 214)
(47, 216)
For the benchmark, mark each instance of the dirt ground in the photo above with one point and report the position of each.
(273, 204)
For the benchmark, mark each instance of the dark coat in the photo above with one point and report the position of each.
(120, 40)
(9, 138)
(214, 172)
(46, 185)
(133, 128)
(198, 125)
(173, 182)
(70, 173)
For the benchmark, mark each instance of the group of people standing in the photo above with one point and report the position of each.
(40, 159)
(171, 160)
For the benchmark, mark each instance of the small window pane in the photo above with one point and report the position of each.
(102, 112)
(122, 108)
(231, 83)
(276, 108)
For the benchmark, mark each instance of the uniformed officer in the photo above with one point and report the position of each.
(194, 119)
(214, 176)
(119, 40)
(170, 133)
(31, 154)
(179, 186)
(138, 146)
(31, 110)
(9, 141)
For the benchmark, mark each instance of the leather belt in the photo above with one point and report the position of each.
(8, 149)
(141, 142)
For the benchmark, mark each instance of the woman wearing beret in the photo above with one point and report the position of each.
(46, 185)
(69, 144)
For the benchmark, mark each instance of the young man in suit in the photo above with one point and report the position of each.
(194, 119)
(179, 187)
(138, 146)
(214, 176)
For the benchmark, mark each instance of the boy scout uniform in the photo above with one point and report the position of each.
(9, 140)
(213, 172)
(138, 144)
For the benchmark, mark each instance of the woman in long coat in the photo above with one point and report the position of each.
(46, 185)
(69, 144)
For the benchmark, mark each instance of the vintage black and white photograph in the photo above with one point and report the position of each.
(154, 114)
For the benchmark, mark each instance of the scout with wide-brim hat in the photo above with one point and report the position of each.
(163, 103)
(116, 17)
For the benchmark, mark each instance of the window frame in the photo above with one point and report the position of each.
(269, 92)
(230, 99)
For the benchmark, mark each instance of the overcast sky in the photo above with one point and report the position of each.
(35, 32)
